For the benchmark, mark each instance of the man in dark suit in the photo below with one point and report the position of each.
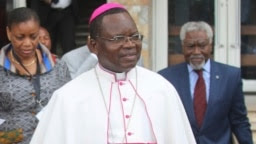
(213, 100)
(59, 17)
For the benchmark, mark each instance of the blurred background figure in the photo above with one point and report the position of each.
(29, 74)
(59, 17)
(79, 60)
(44, 38)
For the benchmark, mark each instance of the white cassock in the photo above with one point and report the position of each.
(100, 107)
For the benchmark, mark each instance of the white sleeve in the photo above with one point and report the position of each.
(2, 121)
(49, 129)
(39, 114)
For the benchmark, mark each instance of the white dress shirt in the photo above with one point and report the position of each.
(62, 4)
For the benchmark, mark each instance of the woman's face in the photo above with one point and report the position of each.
(44, 38)
(24, 38)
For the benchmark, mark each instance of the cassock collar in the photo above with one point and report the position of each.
(114, 77)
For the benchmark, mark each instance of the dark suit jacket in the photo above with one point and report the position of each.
(44, 9)
(226, 111)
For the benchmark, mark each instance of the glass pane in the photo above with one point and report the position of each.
(248, 39)
(180, 12)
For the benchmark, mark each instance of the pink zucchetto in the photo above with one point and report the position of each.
(103, 8)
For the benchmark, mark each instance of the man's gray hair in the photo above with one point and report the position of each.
(196, 26)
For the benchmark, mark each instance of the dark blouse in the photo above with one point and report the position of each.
(18, 105)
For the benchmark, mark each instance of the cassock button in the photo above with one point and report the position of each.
(121, 83)
(125, 99)
(127, 116)
(129, 133)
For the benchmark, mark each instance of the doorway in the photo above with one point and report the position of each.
(85, 10)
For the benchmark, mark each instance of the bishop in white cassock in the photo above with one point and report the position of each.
(116, 102)
(104, 107)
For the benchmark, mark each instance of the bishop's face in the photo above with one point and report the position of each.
(196, 48)
(121, 55)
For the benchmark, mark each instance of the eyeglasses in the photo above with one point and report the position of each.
(120, 39)
(191, 44)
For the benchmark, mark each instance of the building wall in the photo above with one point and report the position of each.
(141, 11)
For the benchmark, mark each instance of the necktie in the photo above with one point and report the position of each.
(200, 98)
